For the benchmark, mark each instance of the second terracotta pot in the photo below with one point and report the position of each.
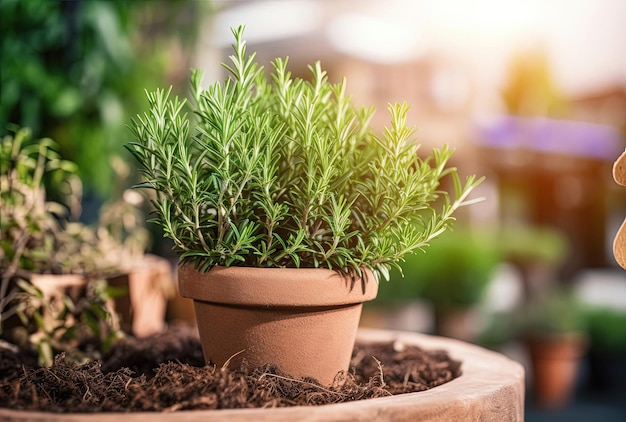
(302, 320)
(555, 363)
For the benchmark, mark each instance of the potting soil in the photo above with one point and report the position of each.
(166, 372)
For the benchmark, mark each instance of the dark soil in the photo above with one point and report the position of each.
(165, 372)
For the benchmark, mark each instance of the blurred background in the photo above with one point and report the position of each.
(531, 94)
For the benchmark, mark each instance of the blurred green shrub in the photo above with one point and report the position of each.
(455, 272)
(522, 243)
(76, 70)
(607, 330)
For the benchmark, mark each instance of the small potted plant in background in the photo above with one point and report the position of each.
(553, 328)
(47, 260)
(287, 209)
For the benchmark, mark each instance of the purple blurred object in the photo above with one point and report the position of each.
(552, 136)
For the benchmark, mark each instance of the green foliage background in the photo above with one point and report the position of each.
(75, 71)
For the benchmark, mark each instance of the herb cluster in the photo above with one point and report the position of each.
(286, 172)
(40, 194)
(41, 203)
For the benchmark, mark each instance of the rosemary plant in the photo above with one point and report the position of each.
(284, 172)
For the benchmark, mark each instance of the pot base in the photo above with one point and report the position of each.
(252, 334)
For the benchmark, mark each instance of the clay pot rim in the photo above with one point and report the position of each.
(565, 345)
(542, 337)
(58, 279)
(287, 287)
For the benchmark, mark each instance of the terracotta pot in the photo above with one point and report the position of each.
(555, 362)
(151, 283)
(304, 320)
(148, 284)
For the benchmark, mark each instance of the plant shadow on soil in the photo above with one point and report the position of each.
(166, 372)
